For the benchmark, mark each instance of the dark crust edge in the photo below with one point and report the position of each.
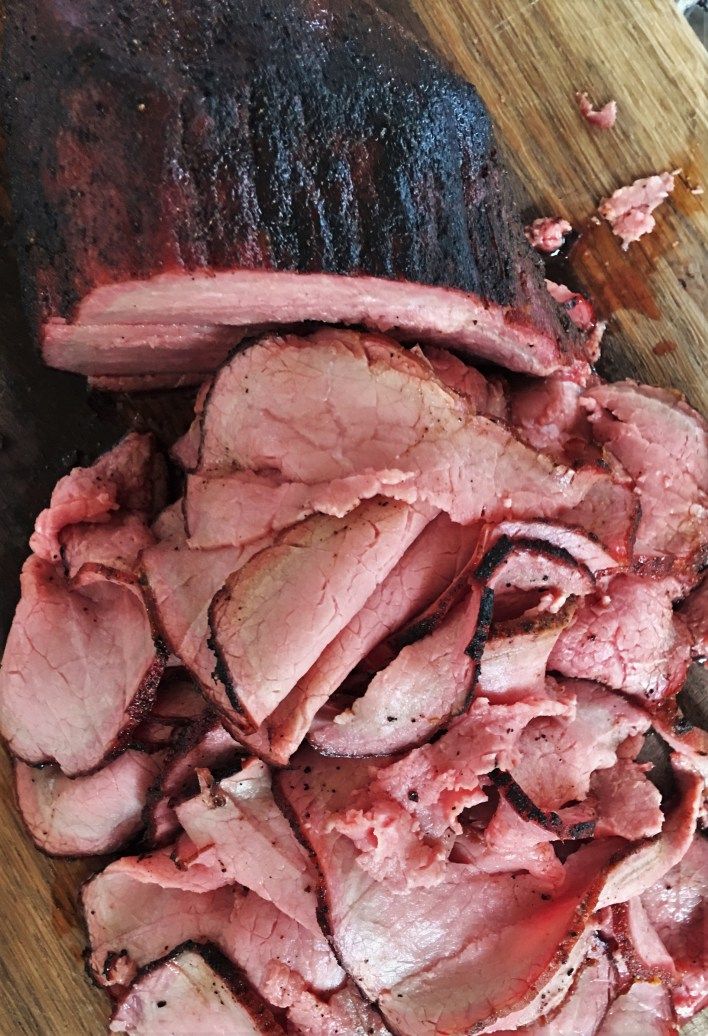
(524, 806)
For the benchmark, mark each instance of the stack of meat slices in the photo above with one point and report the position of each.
(370, 700)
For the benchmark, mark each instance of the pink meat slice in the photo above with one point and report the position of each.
(579, 544)
(86, 816)
(130, 476)
(485, 393)
(676, 907)
(404, 823)
(185, 451)
(384, 408)
(253, 842)
(450, 958)
(645, 1008)
(643, 954)
(80, 668)
(117, 543)
(537, 569)
(580, 310)
(548, 415)
(266, 638)
(344, 1011)
(557, 755)
(628, 804)
(181, 584)
(241, 507)
(629, 209)
(663, 444)
(203, 745)
(192, 992)
(428, 566)
(547, 233)
(516, 655)
(425, 686)
(694, 612)
(628, 638)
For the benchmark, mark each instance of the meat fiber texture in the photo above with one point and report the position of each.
(191, 231)
(399, 784)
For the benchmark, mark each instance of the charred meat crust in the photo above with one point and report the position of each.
(232, 976)
(351, 151)
(526, 808)
(505, 546)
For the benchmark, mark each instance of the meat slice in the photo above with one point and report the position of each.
(628, 638)
(516, 655)
(131, 476)
(629, 209)
(579, 309)
(453, 957)
(185, 451)
(557, 755)
(694, 612)
(274, 616)
(582, 546)
(663, 444)
(80, 669)
(426, 685)
(384, 409)
(203, 745)
(86, 816)
(252, 842)
(676, 907)
(116, 543)
(628, 804)
(532, 575)
(643, 953)
(251, 219)
(180, 585)
(193, 990)
(243, 507)
(645, 1007)
(485, 392)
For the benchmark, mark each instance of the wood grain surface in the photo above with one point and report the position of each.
(527, 58)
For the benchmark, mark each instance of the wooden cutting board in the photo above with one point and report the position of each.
(527, 57)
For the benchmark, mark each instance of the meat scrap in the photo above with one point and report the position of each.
(548, 233)
(603, 118)
(629, 210)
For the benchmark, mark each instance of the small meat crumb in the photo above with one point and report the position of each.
(629, 209)
(548, 233)
(579, 309)
(603, 118)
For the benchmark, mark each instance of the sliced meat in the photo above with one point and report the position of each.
(405, 822)
(86, 816)
(629, 209)
(547, 414)
(694, 612)
(579, 309)
(203, 745)
(582, 546)
(428, 566)
(384, 409)
(628, 804)
(548, 233)
(485, 392)
(253, 219)
(181, 584)
(427, 684)
(453, 957)
(643, 953)
(193, 990)
(169, 524)
(185, 451)
(117, 543)
(557, 755)
(130, 476)
(80, 669)
(516, 655)
(266, 639)
(663, 444)
(242, 507)
(145, 382)
(629, 639)
(252, 842)
(645, 1007)
(567, 824)
(604, 117)
(345, 1011)
(676, 907)
(531, 575)
(688, 741)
